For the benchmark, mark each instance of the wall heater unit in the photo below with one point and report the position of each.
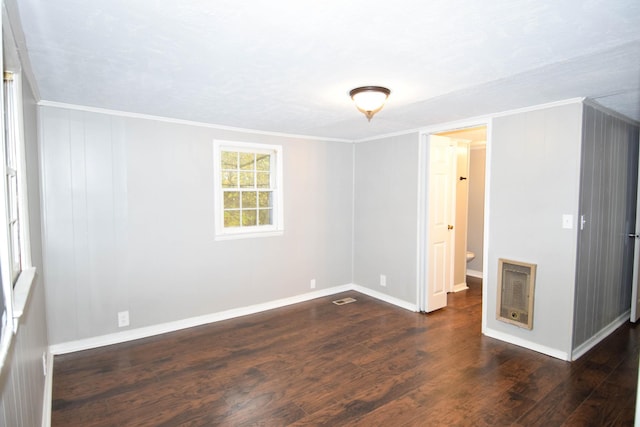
(515, 292)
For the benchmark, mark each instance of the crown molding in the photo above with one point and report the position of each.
(44, 103)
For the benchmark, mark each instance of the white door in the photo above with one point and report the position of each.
(635, 287)
(440, 224)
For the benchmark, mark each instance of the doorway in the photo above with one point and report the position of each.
(452, 212)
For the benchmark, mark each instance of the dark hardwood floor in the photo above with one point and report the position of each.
(362, 364)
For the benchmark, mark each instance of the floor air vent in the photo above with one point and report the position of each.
(344, 301)
(515, 292)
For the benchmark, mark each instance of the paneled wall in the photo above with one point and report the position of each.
(534, 180)
(385, 200)
(22, 380)
(129, 216)
(608, 203)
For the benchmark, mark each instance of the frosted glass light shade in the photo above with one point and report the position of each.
(369, 99)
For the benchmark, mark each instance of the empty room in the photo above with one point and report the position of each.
(319, 213)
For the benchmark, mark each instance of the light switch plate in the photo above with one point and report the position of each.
(567, 221)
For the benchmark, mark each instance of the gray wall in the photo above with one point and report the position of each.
(129, 217)
(608, 202)
(385, 204)
(475, 232)
(22, 379)
(534, 180)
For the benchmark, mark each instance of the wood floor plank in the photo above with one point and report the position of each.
(366, 363)
(606, 402)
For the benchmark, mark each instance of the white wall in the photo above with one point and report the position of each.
(385, 203)
(475, 233)
(461, 223)
(534, 180)
(129, 217)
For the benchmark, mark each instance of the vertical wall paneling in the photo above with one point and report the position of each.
(534, 181)
(58, 234)
(79, 233)
(607, 202)
(631, 134)
(96, 306)
(120, 207)
(85, 209)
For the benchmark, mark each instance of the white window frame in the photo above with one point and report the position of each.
(16, 282)
(275, 229)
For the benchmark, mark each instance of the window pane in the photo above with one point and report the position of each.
(249, 199)
(249, 218)
(229, 179)
(13, 197)
(3, 312)
(3, 317)
(231, 199)
(15, 247)
(247, 161)
(247, 179)
(264, 180)
(264, 199)
(232, 218)
(11, 149)
(263, 162)
(229, 160)
(11, 142)
(10, 123)
(264, 217)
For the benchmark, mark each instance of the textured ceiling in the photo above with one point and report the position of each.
(288, 65)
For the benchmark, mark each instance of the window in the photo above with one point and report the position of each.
(16, 272)
(248, 189)
(11, 138)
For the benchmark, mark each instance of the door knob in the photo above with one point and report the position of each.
(634, 236)
(450, 227)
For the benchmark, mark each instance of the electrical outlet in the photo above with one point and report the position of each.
(383, 280)
(313, 283)
(123, 319)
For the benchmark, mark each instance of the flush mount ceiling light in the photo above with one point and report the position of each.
(369, 99)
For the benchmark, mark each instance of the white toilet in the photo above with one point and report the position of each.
(470, 256)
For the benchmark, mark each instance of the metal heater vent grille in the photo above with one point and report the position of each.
(344, 301)
(515, 292)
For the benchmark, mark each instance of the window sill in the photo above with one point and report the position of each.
(21, 293)
(234, 236)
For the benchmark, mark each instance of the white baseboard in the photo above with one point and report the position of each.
(145, 332)
(558, 354)
(386, 298)
(602, 334)
(48, 392)
(460, 287)
(474, 273)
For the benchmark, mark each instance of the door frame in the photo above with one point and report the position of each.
(423, 208)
